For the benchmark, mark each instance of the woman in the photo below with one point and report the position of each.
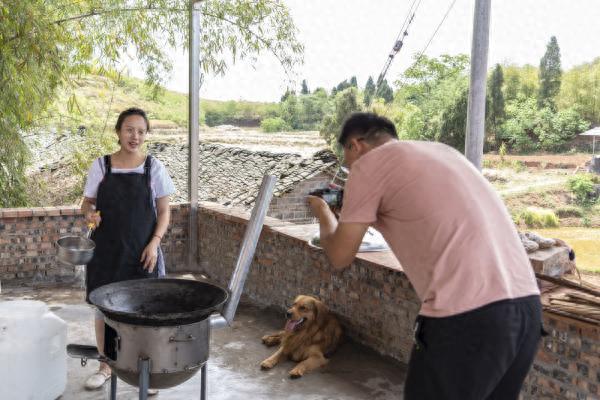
(127, 197)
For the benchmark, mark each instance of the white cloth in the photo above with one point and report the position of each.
(160, 184)
(160, 181)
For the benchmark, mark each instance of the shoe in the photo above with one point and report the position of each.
(152, 392)
(97, 380)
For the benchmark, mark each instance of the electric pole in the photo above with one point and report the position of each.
(476, 107)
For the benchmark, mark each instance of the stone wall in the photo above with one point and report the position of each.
(27, 237)
(292, 206)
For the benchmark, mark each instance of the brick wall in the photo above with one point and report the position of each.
(568, 363)
(292, 206)
(375, 302)
(373, 298)
(27, 237)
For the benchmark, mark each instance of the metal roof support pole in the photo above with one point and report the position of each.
(476, 107)
(193, 129)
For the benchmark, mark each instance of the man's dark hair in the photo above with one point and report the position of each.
(366, 125)
(129, 112)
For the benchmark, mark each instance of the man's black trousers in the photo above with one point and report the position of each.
(483, 354)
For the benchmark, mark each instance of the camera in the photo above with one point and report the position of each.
(333, 196)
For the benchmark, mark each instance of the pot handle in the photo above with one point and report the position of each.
(84, 352)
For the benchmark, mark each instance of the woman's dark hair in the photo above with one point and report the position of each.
(129, 112)
(366, 125)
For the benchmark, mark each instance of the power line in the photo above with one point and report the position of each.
(436, 30)
(410, 15)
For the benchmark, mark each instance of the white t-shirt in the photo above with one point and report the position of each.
(160, 181)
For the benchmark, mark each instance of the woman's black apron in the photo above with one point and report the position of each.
(128, 221)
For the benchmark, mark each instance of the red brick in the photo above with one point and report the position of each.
(70, 211)
(24, 212)
(265, 261)
(52, 211)
(38, 212)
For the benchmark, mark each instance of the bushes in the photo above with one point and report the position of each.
(346, 102)
(569, 211)
(535, 217)
(274, 125)
(583, 187)
(242, 113)
(528, 128)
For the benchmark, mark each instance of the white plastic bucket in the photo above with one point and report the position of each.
(33, 357)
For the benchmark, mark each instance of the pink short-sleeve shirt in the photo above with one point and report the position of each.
(444, 222)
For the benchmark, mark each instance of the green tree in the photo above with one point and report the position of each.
(288, 93)
(353, 82)
(520, 81)
(581, 86)
(550, 74)
(312, 108)
(45, 44)
(437, 87)
(290, 111)
(518, 128)
(320, 91)
(346, 102)
(385, 92)
(273, 125)
(555, 130)
(411, 124)
(454, 121)
(342, 86)
(369, 91)
(304, 87)
(426, 75)
(496, 99)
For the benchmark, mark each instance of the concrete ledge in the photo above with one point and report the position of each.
(550, 261)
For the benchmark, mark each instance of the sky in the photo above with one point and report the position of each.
(343, 38)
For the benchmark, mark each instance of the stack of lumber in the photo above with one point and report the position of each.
(580, 304)
(580, 301)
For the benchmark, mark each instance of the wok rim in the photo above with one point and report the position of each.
(166, 319)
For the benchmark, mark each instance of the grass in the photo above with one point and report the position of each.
(534, 217)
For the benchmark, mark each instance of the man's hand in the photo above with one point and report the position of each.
(340, 241)
(318, 206)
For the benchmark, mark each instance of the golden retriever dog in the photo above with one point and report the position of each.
(310, 333)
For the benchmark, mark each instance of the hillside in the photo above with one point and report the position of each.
(98, 100)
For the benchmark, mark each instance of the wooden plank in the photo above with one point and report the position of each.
(569, 284)
(571, 315)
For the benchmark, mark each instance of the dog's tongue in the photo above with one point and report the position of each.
(291, 325)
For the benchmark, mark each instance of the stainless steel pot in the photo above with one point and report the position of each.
(75, 250)
(176, 353)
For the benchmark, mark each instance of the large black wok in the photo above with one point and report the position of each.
(159, 302)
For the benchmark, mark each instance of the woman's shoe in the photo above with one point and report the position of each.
(97, 380)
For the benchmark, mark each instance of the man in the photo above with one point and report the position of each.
(480, 320)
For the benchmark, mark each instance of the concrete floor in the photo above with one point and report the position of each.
(354, 372)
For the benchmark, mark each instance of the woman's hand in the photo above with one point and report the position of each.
(150, 255)
(88, 208)
(93, 217)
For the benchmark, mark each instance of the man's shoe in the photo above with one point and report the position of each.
(97, 380)
(152, 392)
